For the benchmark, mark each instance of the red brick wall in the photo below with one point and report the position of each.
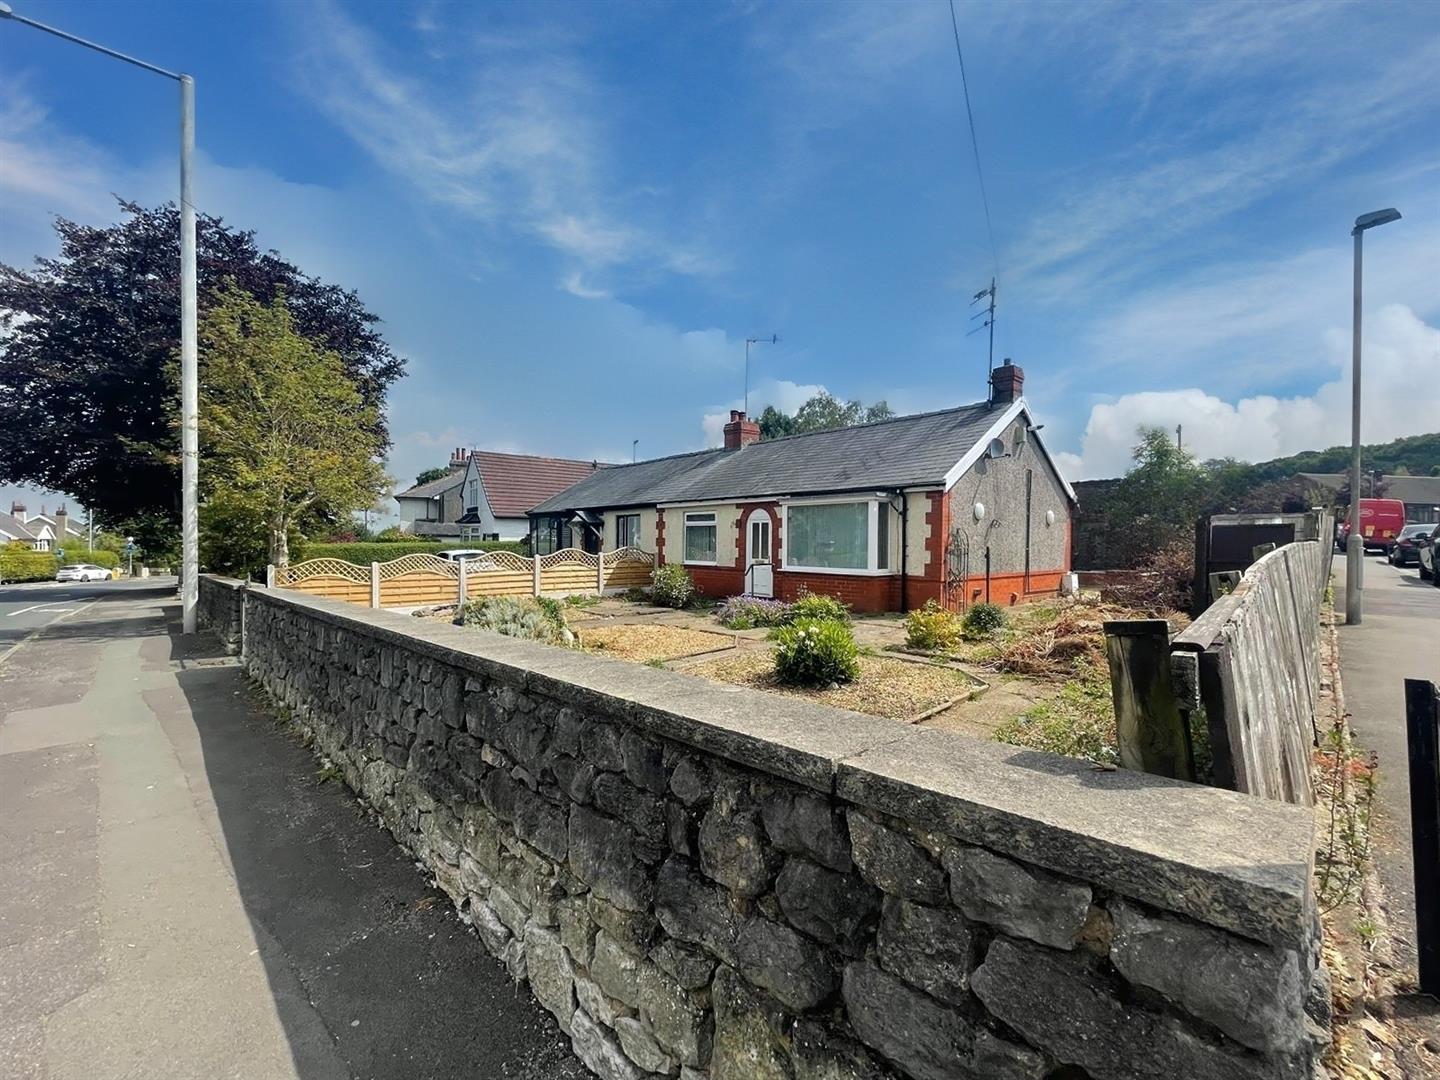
(717, 582)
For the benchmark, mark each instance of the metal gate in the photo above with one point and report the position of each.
(957, 569)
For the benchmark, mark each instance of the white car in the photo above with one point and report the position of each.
(82, 572)
(455, 554)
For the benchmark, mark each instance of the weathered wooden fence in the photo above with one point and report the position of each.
(416, 580)
(1252, 662)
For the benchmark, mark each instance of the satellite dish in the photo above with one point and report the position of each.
(1049, 517)
(979, 511)
(996, 449)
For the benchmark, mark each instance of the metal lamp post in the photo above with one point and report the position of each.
(189, 382)
(1355, 542)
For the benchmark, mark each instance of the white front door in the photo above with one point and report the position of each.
(759, 573)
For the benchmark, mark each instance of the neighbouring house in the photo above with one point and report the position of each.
(957, 506)
(487, 495)
(42, 531)
(1420, 494)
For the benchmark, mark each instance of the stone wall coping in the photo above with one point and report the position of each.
(1230, 860)
(225, 582)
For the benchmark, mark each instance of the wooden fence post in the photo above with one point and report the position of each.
(1422, 727)
(1152, 736)
(375, 584)
(535, 567)
(460, 593)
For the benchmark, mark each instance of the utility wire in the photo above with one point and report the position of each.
(974, 143)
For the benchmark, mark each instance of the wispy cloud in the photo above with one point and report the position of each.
(518, 140)
(42, 167)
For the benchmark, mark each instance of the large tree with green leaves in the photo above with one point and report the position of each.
(88, 341)
(822, 412)
(285, 428)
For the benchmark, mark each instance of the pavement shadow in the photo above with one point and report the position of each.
(371, 970)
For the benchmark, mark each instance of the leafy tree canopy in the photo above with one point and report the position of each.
(89, 376)
(285, 430)
(431, 474)
(821, 413)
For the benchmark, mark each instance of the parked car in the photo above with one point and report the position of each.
(82, 572)
(1380, 522)
(1425, 555)
(1404, 550)
(454, 554)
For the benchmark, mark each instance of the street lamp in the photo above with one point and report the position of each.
(189, 393)
(1355, 543)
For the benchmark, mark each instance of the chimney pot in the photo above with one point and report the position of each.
(1007, 382)
(740, 431)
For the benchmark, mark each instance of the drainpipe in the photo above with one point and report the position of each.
(904, 552)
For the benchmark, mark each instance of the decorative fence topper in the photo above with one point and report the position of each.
(413, 580)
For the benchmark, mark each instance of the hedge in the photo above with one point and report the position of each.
(18, 563)
(366, 553)
(98, 557)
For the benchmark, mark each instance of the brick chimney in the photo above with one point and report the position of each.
(1007, 382)
(740, 431)
(62, 522)
(460, 458)
(18, 509)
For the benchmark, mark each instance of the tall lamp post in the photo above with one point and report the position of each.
(1355, 542)
(189, 393)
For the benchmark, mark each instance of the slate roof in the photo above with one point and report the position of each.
(1415, 490)
(12, 526)
(516, 482)
(907, 451)
(435, 487)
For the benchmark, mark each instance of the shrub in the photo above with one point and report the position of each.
(748, 612)
(671, 586)
(932, 628)
(383, 551)
(19, 562)
(98, 557)
(816, 652)
(533, 620)
(984, 620)
(810, 605)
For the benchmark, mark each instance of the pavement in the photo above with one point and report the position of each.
(184, 896)
(1398, 638)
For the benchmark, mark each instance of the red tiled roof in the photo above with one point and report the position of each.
(516, 482)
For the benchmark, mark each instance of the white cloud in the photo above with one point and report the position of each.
(785, 395)
(1399, 399)
(575, 285)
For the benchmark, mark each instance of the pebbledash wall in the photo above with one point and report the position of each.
(702, 881)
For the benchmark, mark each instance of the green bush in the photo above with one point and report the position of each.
(748, 612)
(671, 586)
(984, 620)
(98, 557)
(810, 605)
(383, 551)
(19, 562)
(932, 628)
(537, 619)
(816, 652)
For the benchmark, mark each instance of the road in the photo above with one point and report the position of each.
(184, 896)
(1397, 639)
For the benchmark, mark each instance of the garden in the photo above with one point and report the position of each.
(1033, 675)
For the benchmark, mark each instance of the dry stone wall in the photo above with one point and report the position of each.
(220, 606)
(700, 881)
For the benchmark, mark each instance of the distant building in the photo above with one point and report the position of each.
(42, 531)
(1420, 494)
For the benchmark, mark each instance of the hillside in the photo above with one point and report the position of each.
(1419, 455)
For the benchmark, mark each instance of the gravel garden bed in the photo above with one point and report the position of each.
(644, 642)
(894, 689)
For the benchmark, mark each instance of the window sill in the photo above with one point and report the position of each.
(836, 570)
(688, 562)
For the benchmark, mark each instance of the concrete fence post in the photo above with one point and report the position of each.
(270, 576)
(535, 570)
(460, 593)
(374, 584)
(1149, 729)
(600, 573)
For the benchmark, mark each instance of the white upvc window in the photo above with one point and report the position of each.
(837, 536)
(700, 538)
(627, 530)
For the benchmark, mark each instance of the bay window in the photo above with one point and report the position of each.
(700, 538)
(851, 536)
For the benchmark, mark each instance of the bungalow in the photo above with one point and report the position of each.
(41, 531)
(486, 495)
(957, 506)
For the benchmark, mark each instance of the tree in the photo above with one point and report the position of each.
(285, 428)
(821, 413)
(431, 474)
(88, 378)
(1159, 499)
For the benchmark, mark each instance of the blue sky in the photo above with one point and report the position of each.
(570, 216)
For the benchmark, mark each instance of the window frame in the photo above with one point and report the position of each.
(686, 525)
(871, 568)
(620, 519)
